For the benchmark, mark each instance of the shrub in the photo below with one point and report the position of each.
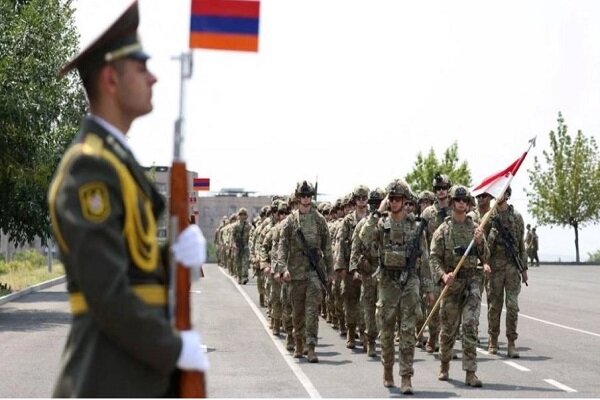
(32, 256)
(594, 257)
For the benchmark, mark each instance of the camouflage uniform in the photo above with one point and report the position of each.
(351, 287)
(505, 277)
(434, 215)
(463, 296)
(305, 286)
(240, 233)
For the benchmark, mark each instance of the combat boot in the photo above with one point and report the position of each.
(388, 376)
(312, 355)
(276, 326)
(444, 371)
(350, 337)
(430, 346)
(363, 341)
(406, 386)
(334, 323)
(492, 345)
(261, 300)
(371, 352)
(299, 352)
(289, 342)
(512, 350)
(472, 380)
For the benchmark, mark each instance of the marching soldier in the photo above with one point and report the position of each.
(240, 236)
(507, 259)
(103, 211)
(463, 298)
(399, 282)
(304, 245)
(435, 215)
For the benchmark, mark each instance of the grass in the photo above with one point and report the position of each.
(27, 268)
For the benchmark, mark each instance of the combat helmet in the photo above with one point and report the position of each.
(427, 196)
(304, 188)
(398, 188)
(460, 192)
(242, 211)
(376, 196)
(441, 180)
(360, 191)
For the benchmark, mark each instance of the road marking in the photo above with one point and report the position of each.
(517, 366)
(306, 383)
(560, 386)
(552, 323)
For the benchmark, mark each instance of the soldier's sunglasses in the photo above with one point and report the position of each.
(461, 199)
(436, 188)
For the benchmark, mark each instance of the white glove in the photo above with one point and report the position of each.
(192, 358)
(190, 247)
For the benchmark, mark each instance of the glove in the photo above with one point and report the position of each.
(192, 358)
(190, 247)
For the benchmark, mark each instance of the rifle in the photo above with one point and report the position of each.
(413, 250)
(509, 245)
(313, 258)
(191, 383)
(379, 264)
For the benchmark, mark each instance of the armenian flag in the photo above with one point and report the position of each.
(201, 183)
(225, 24)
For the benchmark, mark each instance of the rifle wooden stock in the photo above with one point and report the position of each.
(191, 382)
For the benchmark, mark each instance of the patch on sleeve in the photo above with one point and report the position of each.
(94, 201)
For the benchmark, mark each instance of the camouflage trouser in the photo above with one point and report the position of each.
(241, 266)
(421, 310)
(462, 298)
(434, 322)
(286, 308)
(275, 297)
(305, 296)
(368, 299)
(338, 302)
(351, 296)
(260, 283)
(394, 299)
(504, 278)
(267, 282)
(329, 300)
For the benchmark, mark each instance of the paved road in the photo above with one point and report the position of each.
(559, 342)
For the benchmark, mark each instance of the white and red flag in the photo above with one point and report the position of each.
(497, 183)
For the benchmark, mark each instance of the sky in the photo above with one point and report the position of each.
(351, 91)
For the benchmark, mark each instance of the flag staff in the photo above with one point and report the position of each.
(191, 383)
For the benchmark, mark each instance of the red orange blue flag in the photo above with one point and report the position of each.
(201, 184)
(225, 24)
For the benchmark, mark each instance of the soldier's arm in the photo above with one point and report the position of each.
(341, 251)
(326, 246)
(265, 247)
(355, 249)
(425, 271)
(436, 255)
(284, 247)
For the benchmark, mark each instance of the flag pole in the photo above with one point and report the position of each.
(483, 222)
(191, 383)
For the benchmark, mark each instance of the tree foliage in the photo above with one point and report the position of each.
(567, 191)
(39, 112)
(426, 167)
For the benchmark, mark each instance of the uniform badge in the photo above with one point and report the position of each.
(93, 198)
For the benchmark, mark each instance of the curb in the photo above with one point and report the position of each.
(31, 289)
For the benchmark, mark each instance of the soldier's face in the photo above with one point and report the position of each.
(396, 204)
(441, 192)
(134, 87)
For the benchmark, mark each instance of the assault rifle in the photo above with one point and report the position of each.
(413, 250)
(313, 258)
(509, 245)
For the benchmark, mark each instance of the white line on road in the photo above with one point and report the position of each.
(306, 383)
(560, 386)
(552, 323)
(517, 366)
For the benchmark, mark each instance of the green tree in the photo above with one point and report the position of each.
(567, 191)
(39, 112)
(594, 257)
(425, 169)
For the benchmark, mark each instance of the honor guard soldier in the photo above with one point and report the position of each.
(103, 210)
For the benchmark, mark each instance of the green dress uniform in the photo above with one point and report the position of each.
(103, 211)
